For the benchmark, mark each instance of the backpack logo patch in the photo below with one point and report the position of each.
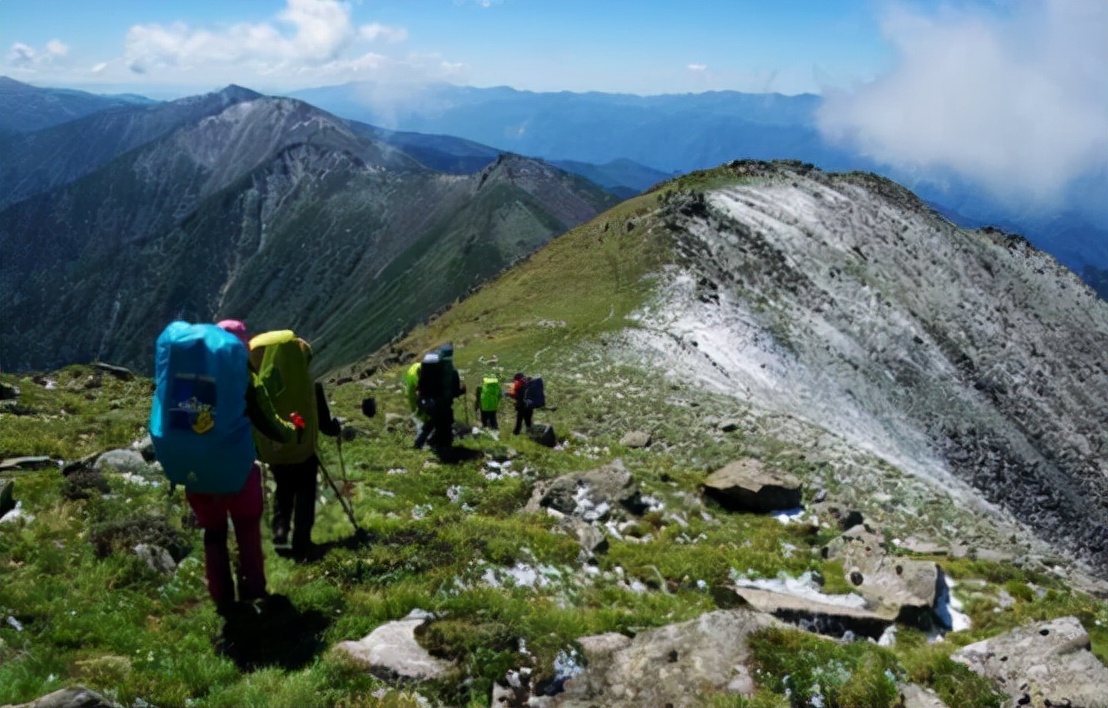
(195, 399)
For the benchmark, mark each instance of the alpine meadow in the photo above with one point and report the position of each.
(809, 437)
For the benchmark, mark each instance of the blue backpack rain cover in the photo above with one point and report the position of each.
(198, 422)
(534, 395)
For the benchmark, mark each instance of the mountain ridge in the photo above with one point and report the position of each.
(244, 185)
(967, 358)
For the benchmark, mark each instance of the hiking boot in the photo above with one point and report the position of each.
(280, 537)
(305, 552)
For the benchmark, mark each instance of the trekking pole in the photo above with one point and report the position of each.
(342, 500)
(265, 483)
(465, 405)
(342, 462)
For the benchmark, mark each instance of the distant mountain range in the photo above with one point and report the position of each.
(272, 210)
(265, 209)
(679, 133)
(26, 108)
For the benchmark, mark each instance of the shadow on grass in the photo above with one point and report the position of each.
(271, 632)
(454, 455)
(357, 540)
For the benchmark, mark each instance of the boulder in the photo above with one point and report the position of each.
(635, 439)
(747, 485)
(916, 696)
(923, 547)
(590, 495)
(124, 461)
(145, 448)
(904, 587)
(1042, 664)
(8, 391)
(593, 540)
(37, 462)
(392, 652)
(823, 614)
(75, 697)
(674, 665)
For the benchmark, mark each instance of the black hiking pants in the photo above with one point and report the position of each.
(523, 417)
(488, 420)
(294, 502)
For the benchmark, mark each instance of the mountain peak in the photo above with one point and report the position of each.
(235, 93)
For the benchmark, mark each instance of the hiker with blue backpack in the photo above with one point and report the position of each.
(207, 402)
(528, 393)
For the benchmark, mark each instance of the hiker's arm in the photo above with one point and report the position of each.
(327, 425)
(260, 411)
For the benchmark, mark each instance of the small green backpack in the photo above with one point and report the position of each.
(282, 360)
(490, 394)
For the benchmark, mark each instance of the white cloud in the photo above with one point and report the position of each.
(308, 35)
(21, 55)
(697, 67)
(1017, 100)
(377, 31)
(26, 58)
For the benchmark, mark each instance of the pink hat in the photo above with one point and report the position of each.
(235, 327)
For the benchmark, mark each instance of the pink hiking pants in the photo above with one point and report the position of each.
(245, 509)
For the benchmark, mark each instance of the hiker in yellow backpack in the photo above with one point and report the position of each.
(282, 360)
(411, 391)
(488, 401)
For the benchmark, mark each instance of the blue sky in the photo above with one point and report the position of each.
(177, 47)
(1011, 93)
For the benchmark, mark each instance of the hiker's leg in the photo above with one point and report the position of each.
(448, 428)
(246, 515)
(442, 432)
(492, 421)
(423, 431)
(527, 413)
(211, 514)
(519, 421)
(283, 499)
(304, 509)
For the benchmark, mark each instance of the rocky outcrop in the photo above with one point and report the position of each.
(391, 651)
(823, 614)
(76, 697)
(1042, 664)
(902, 588)
(593, 495)
(675, 665)
(748, 485)
(968, 359)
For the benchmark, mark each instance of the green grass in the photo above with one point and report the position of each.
(92, 613)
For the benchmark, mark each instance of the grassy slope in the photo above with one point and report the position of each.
(113, 624)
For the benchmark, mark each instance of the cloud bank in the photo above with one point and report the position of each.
(1016, 100)
(23, 56)
(307, 43)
